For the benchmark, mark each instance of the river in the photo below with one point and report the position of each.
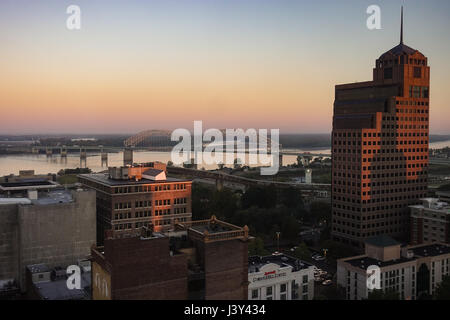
(42, 164)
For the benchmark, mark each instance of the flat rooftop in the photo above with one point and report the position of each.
(53, 197)
(212, 228)
(365, 262)
(431, 250)
(427, 250)
(104, 179)
(57, 290)
(25, 184)
(255, 263)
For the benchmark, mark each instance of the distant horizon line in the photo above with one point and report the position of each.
(133, 133)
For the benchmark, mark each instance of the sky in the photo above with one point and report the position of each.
(136, 65)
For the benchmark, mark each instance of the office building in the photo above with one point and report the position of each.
(430, 221)
(411, 271)
(280, 277)
(380, 148)
(131, 197)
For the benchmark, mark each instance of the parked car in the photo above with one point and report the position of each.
(327, 282)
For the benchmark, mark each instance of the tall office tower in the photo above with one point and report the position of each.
(380, 148)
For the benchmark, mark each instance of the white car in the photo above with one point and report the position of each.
(327, 282)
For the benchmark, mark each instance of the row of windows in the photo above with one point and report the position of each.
(141, 214)
(180, 200)
(378, 134)
(419, 92)
(162, 202)
(149, 188)
(130, 226)
(392, 223)
(378, 176)
(389, 215)
(377, 143)
(401, 60)
(412, 103)
(371, 233)
(386, 167)
(143, 204)
(369, 201)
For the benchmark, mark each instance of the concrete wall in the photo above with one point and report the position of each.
(57, 234)
(9, 251)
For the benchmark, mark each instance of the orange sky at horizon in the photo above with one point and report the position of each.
(130, 68)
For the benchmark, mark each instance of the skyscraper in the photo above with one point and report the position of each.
(380, 147)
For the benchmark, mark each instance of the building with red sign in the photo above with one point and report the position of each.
(280, 277)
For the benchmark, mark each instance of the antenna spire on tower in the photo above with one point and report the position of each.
(401, 29)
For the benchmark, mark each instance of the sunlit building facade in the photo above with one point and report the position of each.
(380, 148)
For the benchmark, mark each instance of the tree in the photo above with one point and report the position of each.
(261, 197)
(256, 248)
(302, 252)
(290, 228)
(321, 212)
(442, 291)
(290, 197)
(337, 250)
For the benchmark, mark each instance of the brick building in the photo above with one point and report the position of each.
(131, 197)
(205, 259)
(380, 148)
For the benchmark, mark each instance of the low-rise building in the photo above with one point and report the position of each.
(280, 277)
(411, 271)
(198, 260)
(131, 197)
(54, 227)
(430, 221)
(44, 283)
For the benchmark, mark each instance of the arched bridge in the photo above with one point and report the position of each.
(163, 138)
(153, 137)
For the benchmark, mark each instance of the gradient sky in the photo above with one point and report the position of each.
(138, 65)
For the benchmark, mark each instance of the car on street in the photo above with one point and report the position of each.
(327, 282)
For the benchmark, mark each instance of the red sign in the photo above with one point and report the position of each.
(271, 272)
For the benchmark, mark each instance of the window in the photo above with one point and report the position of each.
(268, 291)
(283, 296)
(388, 73)
(416, 93)
(417, 72)
(305, 279)
(283, 287)
(254, 293)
